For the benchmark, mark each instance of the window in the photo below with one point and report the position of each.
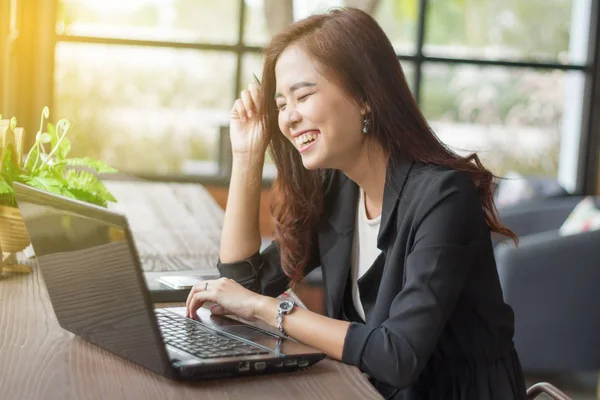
(184, 21)
(145, 110)
(511, 116)
(533, 30)
(149, 83)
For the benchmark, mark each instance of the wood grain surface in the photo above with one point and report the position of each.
(177, 226)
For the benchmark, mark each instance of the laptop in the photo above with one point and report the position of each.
(95, 282)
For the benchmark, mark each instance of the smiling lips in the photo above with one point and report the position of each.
(306, 138)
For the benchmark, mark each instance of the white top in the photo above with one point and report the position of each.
(365, 249)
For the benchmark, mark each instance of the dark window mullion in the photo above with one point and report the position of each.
(419, 50)
(494, 63)
(589, 145)
(154, 43)
(505, 63)
(240, 47)
(224, 143)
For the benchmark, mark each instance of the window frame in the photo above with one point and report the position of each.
(588, 157)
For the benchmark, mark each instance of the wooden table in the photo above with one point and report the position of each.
(40, 360)
(175, 226)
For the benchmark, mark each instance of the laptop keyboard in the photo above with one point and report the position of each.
(201, 342)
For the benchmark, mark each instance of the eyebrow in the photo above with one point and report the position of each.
(296, 86)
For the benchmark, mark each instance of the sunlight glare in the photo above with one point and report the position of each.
(104, 6)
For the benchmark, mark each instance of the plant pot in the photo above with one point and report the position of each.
(13, 239)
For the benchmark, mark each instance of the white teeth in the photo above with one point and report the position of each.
(307, 137)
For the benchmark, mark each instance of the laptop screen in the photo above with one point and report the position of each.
(92, 273)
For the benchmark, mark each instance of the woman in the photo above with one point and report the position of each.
(400, 224)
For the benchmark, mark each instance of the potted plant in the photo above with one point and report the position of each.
(47, 167)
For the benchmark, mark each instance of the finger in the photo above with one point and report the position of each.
(248, 103)
(198, 300)
(198, 287)
(219, 310)
(188, 300)
(255, 94)
(238, 110)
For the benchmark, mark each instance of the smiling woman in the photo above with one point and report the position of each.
(323, 122)
(400, 225)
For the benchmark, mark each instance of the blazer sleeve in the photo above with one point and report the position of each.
(262, 272)
(450, 228)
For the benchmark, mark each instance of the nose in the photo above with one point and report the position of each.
(293, 117)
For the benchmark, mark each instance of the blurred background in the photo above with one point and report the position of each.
(148, 84)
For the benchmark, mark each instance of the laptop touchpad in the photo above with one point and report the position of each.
(249, 333)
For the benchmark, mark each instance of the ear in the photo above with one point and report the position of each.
(365, 109)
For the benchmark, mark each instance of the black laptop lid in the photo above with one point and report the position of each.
(92, 273)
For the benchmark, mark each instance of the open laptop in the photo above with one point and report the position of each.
(92, 271)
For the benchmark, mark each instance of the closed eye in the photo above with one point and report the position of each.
(302, 98)
(281, 107)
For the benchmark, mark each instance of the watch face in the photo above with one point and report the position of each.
(286, 306)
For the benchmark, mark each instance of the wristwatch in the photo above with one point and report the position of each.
(284, 308)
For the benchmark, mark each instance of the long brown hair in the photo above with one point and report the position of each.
(354, 51)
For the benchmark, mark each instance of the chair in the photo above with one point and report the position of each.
(547, 389)
(551, 282)
(539, 215)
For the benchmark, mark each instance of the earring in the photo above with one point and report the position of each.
(365, 125)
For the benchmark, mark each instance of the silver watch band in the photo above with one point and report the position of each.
(284, 308)
(280, 322)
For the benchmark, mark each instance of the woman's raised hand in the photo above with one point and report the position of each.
(246, 131)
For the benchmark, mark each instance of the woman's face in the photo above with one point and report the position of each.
(316, 115)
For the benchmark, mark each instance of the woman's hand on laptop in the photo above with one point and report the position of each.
(230, 298)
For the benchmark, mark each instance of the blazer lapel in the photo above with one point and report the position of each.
(335, 242)
(395, 179)
(337, 234)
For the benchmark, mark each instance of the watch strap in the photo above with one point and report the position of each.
(280, 314)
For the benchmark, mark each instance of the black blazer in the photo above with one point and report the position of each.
(436, 323)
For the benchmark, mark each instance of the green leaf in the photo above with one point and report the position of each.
(105, 193)
(7, 160)
(48, 184)
(66, 192)
(88, 197)
(44, 137)
(65, 144)
(5, 188)
(55, 171)
(52, 132)
(9, 167)
(87, 187)
(33, 155)
(54, 174)
(96, 165)
(7, 193)
(63, 149)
